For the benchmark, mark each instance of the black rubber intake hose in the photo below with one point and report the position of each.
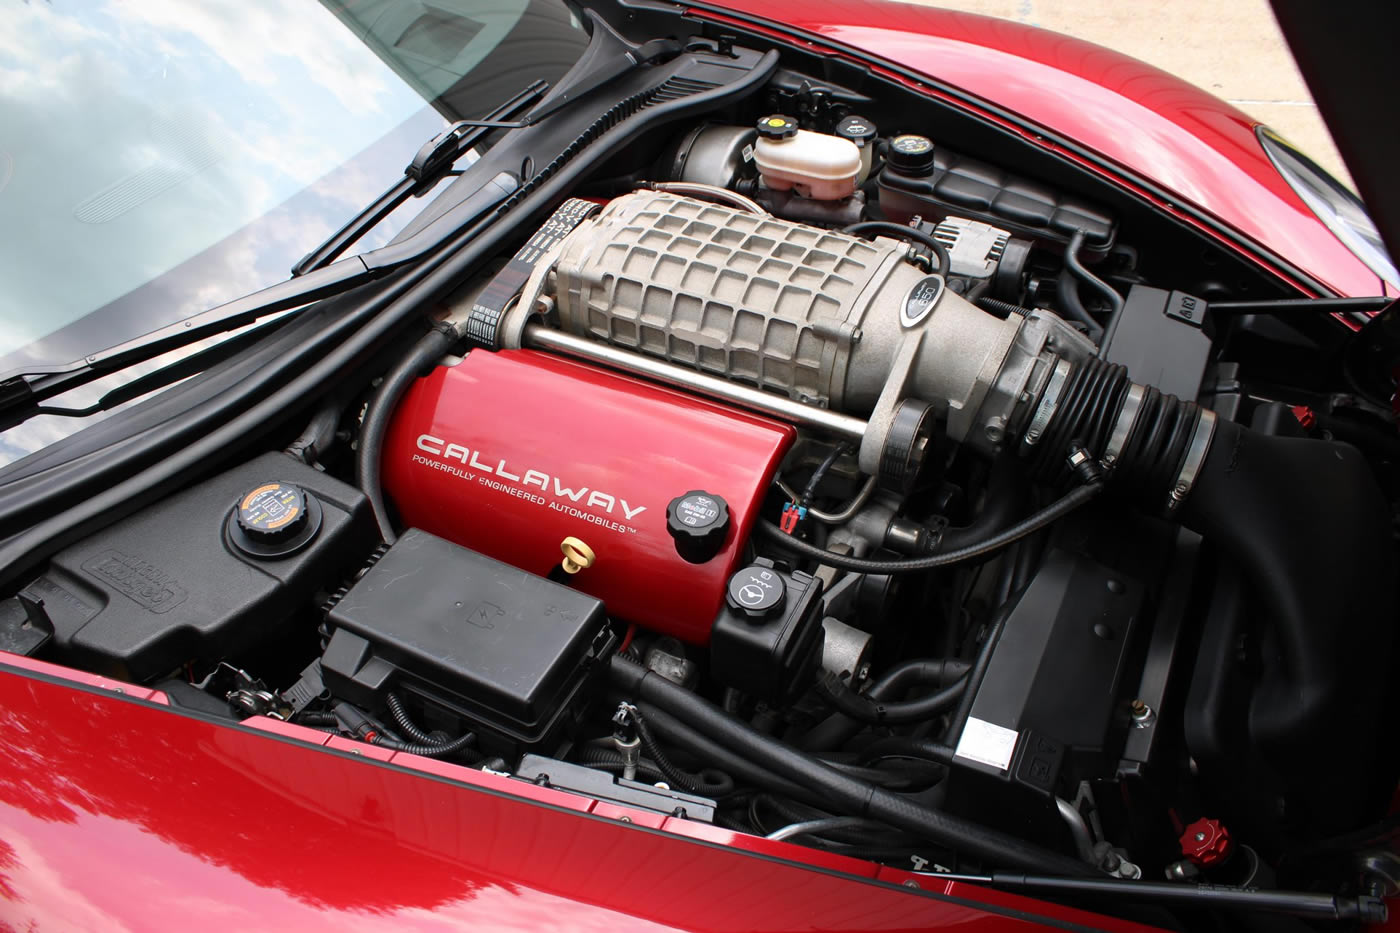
(1309, 526)
(1307, 523)
(847, 795)
(425, 353)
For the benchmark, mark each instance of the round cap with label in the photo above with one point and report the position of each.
(756, 592)
(910, 154)
(857, 129)
(274, 519)
(698, 521)
(777, 126)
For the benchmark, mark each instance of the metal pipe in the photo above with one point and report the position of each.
(1078, 829)
(766, 403)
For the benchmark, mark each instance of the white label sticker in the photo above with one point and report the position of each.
(987, 743)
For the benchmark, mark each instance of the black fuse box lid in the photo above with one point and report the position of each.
(499, 645)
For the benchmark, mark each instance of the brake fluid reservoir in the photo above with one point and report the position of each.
(819, 166)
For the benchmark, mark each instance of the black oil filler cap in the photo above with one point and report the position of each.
(698, 521)
(274, 519)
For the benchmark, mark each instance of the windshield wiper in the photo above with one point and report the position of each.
(317, 276)
(430, 164)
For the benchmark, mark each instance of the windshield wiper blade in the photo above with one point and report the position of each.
(428, 166)
(24, 388)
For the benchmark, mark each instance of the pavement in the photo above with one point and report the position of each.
(1231, 48)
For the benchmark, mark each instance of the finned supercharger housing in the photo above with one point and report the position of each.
(824, 317)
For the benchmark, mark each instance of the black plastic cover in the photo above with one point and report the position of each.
(964, 187)
(1055, 677)
(504, 649)
(165, 586)
(1160, 339)
(768, 645)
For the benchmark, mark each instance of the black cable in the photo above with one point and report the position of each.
(1003, 309)
(1033, 523)
(847, 795)
(427, 351)
(909, 233)
(979, 670)
(606, 759)
(889, 713)
(457, 745)
(817, 474)
(406, 723)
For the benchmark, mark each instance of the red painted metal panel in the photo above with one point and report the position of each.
(524, 449)
(125, 815)
(1140, 117)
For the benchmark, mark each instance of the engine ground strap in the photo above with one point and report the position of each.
(484, 321)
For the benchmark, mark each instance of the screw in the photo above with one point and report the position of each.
(624, 819)
(1200, 837)
(911, 883)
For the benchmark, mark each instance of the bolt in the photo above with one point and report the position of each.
(911, 883)
(624, 819)
(1200, 837)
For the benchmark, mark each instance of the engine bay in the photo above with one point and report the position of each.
(820, 464)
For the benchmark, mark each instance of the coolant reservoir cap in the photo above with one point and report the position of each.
(698, 521)
(274, 519)
(777, 126)
(911, 155)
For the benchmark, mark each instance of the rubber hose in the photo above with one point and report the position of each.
(979, 670)
(426, 352)
(904, 747)
(909, 233)
(838, 728)
(1079, 271)
(318, 435)
(708, 781)
(706, 749)
(847, 795)
(1004, 495)
(876, 712)
(1067, 290)
(1033, 523)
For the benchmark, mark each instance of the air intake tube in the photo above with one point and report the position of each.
(1303, 519)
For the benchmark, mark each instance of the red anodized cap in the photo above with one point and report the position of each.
(1205, 842)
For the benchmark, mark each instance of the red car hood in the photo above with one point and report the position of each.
(1188, 151)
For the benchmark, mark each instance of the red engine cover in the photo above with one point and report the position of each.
(509, 453)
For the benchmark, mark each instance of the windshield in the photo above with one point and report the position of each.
(159, 157)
